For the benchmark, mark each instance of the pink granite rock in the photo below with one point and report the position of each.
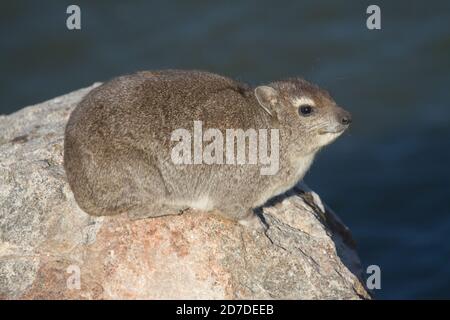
(51, 249)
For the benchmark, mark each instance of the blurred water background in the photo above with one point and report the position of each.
(388, 177)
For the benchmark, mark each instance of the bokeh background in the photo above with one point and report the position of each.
(388, 177)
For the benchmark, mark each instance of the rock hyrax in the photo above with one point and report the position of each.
(124, 141)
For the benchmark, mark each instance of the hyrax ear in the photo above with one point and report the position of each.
(267, 98)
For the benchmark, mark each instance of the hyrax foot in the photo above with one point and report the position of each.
(252, 221)
(244, 215)
(314, 196)
(152, 211)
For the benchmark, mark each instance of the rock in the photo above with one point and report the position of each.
(47, 243)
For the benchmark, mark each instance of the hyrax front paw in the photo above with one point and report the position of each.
(254, 222)
(314, 197)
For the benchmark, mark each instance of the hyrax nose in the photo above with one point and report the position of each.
(346, 118)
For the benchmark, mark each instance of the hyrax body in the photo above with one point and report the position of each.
(119, 142)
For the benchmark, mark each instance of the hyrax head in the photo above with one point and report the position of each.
(308, 112)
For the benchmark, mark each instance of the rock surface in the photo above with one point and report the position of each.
(51, 249)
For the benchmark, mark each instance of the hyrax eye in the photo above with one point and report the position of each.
(305, 110)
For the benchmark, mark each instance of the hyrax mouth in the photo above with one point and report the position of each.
(337, 130)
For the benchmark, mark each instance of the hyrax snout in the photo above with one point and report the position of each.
(157, 142)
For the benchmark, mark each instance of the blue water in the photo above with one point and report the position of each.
(388, 177)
